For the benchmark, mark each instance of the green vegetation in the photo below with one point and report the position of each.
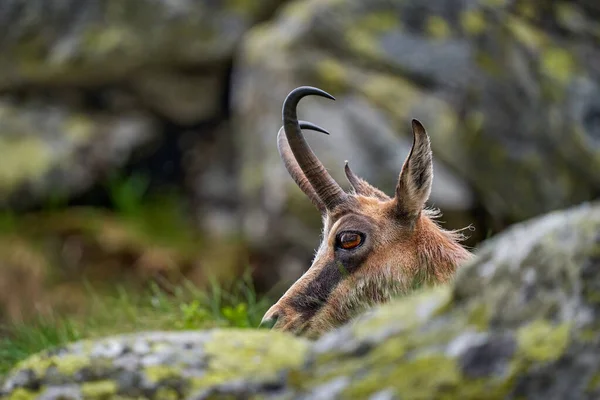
(159, 219)
(141, 266)
(181, 307)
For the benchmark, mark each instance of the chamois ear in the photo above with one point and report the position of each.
(414, 183)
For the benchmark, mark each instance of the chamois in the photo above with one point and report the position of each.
(374, 247)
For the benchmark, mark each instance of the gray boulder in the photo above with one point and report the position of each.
(521, 321)
(167, 57)
(61, 148)
(88, 43)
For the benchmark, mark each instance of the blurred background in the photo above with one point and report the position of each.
(138, 138)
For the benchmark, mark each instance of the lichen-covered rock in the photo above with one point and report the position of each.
(156, 365)
(87, 43)
(521, 321)
(171, 57)
(59, 148)
(507, 91)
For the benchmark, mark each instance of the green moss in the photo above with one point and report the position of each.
(472, 22)
(422, 378)
(243, 7)
(234, 354)
(332, 74)
(29, 57)
(446, 122)
(99, 390)
(389, 352)
(527, 10)
(23, 394)
(391, 93)
(479, 317)
(69, 365)
(593, 297)
(79, 128)
(66, 365)
(474, 121)
(260, 38)
(437, 27)
(551, 92)
(487, 63)
(167, 394)
(157, 373)
(24, 158)
(540, 341)
(296, 10)
(426, 377)
(588, 335)
(377, 22)
(409, 310)
(526, 34)
(108, 40)
(363, 42)
(594, 383)
(558, 63)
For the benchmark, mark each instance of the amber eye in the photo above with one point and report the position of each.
(349, 240)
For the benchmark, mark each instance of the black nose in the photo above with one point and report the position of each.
(268, 323)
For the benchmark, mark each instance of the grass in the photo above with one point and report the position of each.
(185, 308)
(156, 220)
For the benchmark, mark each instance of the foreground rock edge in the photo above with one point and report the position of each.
(482, 336)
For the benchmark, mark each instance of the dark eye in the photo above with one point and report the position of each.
(349, 240)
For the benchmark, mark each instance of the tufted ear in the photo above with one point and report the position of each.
(414, 184)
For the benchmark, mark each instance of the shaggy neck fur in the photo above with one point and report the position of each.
(439, 250)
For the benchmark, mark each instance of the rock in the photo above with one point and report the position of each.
(172, 56)
(60, 148)
(520, 321)
(158, 365)
(210, 166)
(184, 98)
(508, 93)
(74, 43)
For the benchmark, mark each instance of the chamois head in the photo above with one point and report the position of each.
(373, 247)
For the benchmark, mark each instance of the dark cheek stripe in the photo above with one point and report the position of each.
(317, 292)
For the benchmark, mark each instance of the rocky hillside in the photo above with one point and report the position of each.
(521, 321)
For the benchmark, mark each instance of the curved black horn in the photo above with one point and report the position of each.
(326, 188)
(291, 165)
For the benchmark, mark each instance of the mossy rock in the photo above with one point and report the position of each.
(60, 148)
(109, 40)
(157, 364)
(519, 321)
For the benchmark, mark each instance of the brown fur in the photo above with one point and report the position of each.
(403, 246)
